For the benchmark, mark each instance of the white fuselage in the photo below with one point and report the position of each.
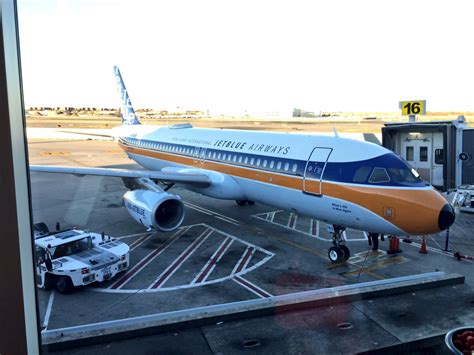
(287, 171)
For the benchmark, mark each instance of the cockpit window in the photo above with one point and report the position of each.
(379, 175)
(362, 174)
(402, 175)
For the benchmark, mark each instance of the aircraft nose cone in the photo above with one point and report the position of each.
(446, 217)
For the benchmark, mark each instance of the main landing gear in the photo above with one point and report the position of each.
(339, 252)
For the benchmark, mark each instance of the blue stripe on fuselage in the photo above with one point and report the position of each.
(343, 172)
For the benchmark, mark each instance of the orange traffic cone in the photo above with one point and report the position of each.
(423, 247)
(393, 245)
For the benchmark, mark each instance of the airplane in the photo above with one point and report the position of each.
(343, 182)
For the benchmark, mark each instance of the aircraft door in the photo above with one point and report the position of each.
(313, 173)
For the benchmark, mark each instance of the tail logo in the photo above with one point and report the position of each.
(126, 109)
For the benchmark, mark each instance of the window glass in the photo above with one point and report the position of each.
(264, 164)
(361, 174)
(287, 166)
(402, 175)
(409, 154)
(294, 168)
(379, 175)
(234, 158)
(272, 163)
(223, 156)
(240, 159)
(251, 161)
(258, 162)
(279, 165)
(423, 153)
(246, 160)
(439, 156)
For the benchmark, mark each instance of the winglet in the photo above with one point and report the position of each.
(335, 132)
(127, 112)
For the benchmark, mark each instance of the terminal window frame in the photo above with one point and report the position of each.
(439, 156)
(409, 153)
(424, 153)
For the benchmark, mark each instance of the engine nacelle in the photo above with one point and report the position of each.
(158, 210)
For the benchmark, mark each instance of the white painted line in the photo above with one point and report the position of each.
(135, 270)
(296, 230)
(176, 264)
(294, 221)
(227, 220)
(181, 287)
(242, 264)
(131, 235)
(207, 270)
(252, 287)
(48, 311)
(197, 208)
(240, 260)
(231, 276)
(212, 212)
(140, 241)
(274, 214)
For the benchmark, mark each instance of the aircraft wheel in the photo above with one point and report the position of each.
(347, 252)
(241, 202)
(335, 254)
(64, 284)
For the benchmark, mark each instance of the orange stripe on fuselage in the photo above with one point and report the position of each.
(414, 211)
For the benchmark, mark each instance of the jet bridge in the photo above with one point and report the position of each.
(441, 151)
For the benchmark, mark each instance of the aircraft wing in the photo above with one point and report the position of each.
(196, 179)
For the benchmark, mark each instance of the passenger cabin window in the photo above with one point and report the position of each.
(287, 166)
(294, 168)
(246, 160)
(272, 163)
(423, 153)
(439, 156)
(279, 165)
(264, 163)
(258, 162)
(240, 159)
(379, 175)
(251, 161)
(409, 154)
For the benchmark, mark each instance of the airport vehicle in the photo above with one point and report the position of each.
(69, 258)
(464, 198)
(344, 182)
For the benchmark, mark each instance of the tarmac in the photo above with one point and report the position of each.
(225, 255)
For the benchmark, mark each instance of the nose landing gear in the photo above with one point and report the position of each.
(339, 251)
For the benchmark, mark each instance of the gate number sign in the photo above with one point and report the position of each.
(413, 107)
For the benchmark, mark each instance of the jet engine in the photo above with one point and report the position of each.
(157, 210)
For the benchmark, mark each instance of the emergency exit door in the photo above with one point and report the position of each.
(313, 173)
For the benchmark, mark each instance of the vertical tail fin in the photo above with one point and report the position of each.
(126, 109)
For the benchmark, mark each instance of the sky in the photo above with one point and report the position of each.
(249, 55)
